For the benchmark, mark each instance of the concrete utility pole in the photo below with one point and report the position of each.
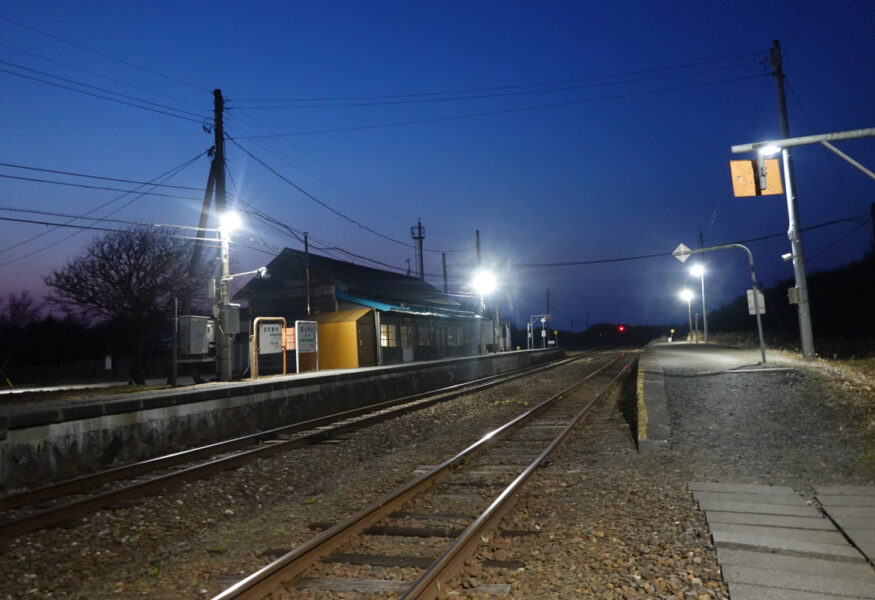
(417, 232)
(804, 309)
(307, 268)
(223, 339)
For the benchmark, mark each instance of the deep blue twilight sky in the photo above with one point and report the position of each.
(563, 131)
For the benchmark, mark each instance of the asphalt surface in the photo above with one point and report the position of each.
(780, 466)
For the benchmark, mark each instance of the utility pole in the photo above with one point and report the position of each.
(444, 265)
(704, 309)
(197, 251)
(804, 309)
(418, 234)
(223, 339)
(307, 269)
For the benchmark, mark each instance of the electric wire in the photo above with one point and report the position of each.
(497, 112)
(856, 218)
(314, 198)
(515, 86)
(321, 172)
(116, 100)
(104, 54)
(482, 96)
(159, 179)
(94, 187)
(105, 220)
(99, 89)
(105, 229)
(101, 177)
(99, 75)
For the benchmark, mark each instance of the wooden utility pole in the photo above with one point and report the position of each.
(224, 366)
(444, 265)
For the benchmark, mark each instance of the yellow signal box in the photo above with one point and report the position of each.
(746, 180)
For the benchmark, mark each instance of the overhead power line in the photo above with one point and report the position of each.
(105, 55)
(98, 75)
(314, 198)
(102, 177)
(95, 187)
(505, 111)
(107, 229)
(105, 220)
(510, 87)
(159, 179)
(857, 218)
(480, 96)
(101, 96)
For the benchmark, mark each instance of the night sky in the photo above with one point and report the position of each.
(565, 132)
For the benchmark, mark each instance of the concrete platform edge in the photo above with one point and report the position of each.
(653, 425)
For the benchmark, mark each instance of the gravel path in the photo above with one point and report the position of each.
(612, 524)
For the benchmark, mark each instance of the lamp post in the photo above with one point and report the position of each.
(698, 270)
(484, 283)
(687, 296)
(228, 223)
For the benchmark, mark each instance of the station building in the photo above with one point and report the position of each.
(366, 316)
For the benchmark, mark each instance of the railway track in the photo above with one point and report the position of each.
(58, 503)
(425, 530)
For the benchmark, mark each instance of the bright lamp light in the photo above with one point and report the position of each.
(229, 222)
(769, 150)
(697, 270)
(484, 282)
(686, 295)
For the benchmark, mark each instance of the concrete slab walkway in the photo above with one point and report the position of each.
(774, 545)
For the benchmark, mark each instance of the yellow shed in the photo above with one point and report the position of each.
(347, 339)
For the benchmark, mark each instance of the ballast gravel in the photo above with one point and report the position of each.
(602, 521)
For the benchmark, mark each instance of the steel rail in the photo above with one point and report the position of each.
(380, 412)
(428, 586)
(261, 583)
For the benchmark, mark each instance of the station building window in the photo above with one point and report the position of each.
(388, 336)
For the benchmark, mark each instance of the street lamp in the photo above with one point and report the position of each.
(228, 223)
(687, 296)
(698, 270)
(484, 283)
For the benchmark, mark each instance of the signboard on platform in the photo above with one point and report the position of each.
(306, 341)
(761, 301)
(270, 338)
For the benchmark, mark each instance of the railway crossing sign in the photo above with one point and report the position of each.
(682, 253)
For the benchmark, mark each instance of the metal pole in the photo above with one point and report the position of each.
(690, 317)
(307, 269)
(753, 280)
(704, 310)
(174, 340)
(805, 332)
(756, 302)
(224, 339)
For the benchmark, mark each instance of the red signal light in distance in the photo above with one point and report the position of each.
(621, 328)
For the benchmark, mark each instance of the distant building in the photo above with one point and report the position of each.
(366, 316)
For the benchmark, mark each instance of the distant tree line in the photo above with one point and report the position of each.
(115, 298)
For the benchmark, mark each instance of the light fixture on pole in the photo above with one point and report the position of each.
(484, 283)
(687, 296)
(228, 223)
(698, 270)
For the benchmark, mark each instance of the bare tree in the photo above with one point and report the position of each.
(130, 278)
